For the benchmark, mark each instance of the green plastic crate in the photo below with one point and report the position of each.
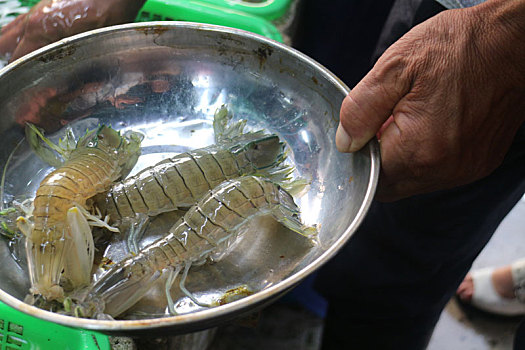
(19, 331)
(206, 12)
(267, 9)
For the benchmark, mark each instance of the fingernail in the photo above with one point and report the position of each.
(342, 139)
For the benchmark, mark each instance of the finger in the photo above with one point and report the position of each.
(26, 46)
(384, 126)
(11, 37)
(397, 179)
(13, 23)
(370, 103)
(391, 164)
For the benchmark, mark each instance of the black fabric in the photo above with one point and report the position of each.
(368, 333)
(389, 284)
(519, 338)
(404, 15)
(341, 34)
(427, 9)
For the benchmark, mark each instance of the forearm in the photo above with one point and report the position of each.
(51, 20)
(505, 21)
(510, 14)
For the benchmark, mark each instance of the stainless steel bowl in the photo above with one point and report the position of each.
(167, 79)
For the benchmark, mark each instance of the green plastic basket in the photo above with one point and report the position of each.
(206, 12)
(267, 9)
(19, 331)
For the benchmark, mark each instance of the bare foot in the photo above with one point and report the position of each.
(501, 279)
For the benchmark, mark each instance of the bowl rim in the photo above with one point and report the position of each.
(186, 320)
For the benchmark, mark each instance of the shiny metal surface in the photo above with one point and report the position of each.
(166, 79)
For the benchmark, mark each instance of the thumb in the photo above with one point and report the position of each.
(369, 105)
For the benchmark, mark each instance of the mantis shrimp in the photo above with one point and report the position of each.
(178, 182)
(205, 229)
(58, 236)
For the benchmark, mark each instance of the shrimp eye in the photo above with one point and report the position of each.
(256, 147)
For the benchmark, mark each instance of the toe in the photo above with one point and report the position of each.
(466, 289)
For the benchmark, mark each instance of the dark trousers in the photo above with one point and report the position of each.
(389, 284)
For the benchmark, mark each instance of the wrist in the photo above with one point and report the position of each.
(500, 40)
(503, 21)
(508, 14)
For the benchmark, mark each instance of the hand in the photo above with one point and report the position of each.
(446, 100)
(51, 20)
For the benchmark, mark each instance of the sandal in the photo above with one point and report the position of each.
(486, 298)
